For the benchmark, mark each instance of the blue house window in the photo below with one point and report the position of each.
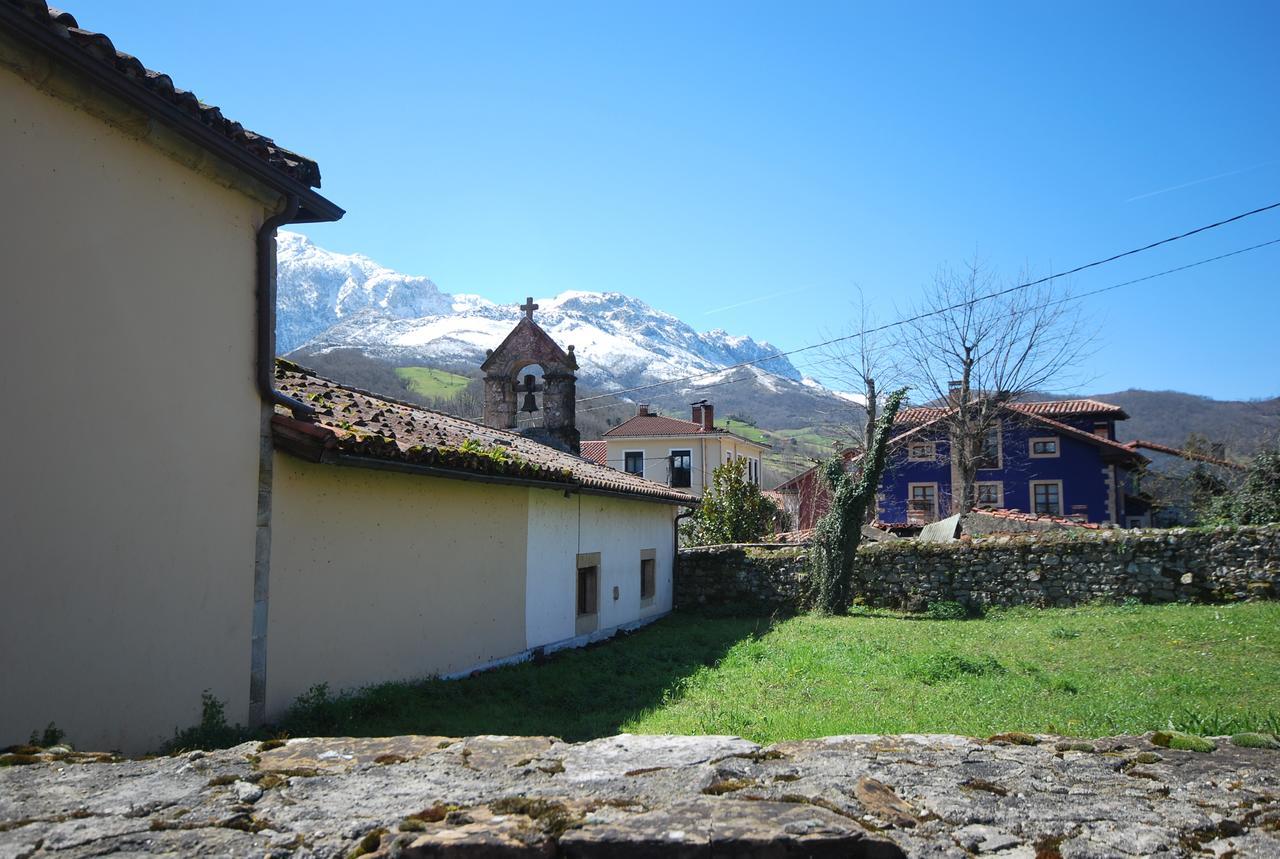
(1044, 448)
(1046, 497)
(989, 454)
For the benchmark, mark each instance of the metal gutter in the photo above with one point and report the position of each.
(314, 208)
(266, 294)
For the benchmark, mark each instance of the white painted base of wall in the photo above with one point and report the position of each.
(565, 644)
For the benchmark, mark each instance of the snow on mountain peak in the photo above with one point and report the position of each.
(329, 300)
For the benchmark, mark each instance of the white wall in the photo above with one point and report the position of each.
(562, 528)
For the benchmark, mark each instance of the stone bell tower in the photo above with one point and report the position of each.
(526, 345)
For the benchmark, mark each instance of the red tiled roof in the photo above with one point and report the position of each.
(1053, 408)
(1185, 454)
(639, 425)
(1072, 408)
(596, 451)
(358, 427)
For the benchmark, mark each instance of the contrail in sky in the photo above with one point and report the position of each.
(756, 300)
(1199, 181)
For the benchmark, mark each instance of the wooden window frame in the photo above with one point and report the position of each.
(933, 485)
(1062, 499)
(999, 431)
(671, 480)
(933, 451)
(1057, 447)
(627, 453)
(998, 484)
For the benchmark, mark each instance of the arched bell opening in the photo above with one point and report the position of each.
(528, 385)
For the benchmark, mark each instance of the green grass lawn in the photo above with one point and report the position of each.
(1088, 672)
(746, 430)
(428, 382)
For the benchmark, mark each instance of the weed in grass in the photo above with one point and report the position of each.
(1064, 634)
(946, 610)
(942, 666)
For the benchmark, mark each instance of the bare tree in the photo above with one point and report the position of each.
(865, 363)
(974, 354)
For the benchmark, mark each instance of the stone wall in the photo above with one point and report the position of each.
(1179, 565)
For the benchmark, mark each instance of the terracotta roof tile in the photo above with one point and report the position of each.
(1051, 408)
(596, 451)
(100, 48)
(639, 425)
(368, 426)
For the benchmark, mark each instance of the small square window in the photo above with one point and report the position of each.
(633, 462)
(989, 495)
(1044, 447)
(921, 451)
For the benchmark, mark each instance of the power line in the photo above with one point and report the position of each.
(970, 302)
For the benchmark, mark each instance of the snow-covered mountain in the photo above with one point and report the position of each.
(330, 301)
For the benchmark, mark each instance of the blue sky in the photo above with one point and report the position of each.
(704, 155)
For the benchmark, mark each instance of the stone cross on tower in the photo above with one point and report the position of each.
(528, 307)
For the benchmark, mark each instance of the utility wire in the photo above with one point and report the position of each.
(973, 301)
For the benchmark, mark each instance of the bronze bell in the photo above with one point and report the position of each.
(530, 385)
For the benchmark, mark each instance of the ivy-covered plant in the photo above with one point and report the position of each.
(732, 510)
(837, 534)
(1256, 501)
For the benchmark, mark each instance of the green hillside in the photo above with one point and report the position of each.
(429, 382)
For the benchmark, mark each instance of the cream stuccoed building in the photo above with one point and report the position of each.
(678, 453)
(182, 513)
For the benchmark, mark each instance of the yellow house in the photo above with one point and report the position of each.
(678, 453)
(173, 522)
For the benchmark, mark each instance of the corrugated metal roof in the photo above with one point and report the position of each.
(369, 426)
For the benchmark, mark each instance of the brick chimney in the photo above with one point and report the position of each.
(642, 409)
(708, 417)
(953, 391)
(697, 411)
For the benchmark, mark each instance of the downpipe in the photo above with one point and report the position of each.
(266, 294)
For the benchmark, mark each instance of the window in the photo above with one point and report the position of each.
(922, 503)
(921, 451)
(1044, 448)
(989, 451)
(588, 590)
(989, 495)
(681, 468)
(648, 576)
(587, 598)
(633, 462)
(1046, 497)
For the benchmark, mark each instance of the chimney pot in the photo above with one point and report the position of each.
(697, 413)
(642, 409)
(708, 417)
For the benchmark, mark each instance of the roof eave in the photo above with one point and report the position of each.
(314, 208)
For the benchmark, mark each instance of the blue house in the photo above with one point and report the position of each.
(1058, 458)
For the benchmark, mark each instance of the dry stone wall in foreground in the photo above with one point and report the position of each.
(1057, 569)
(1012, 796)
